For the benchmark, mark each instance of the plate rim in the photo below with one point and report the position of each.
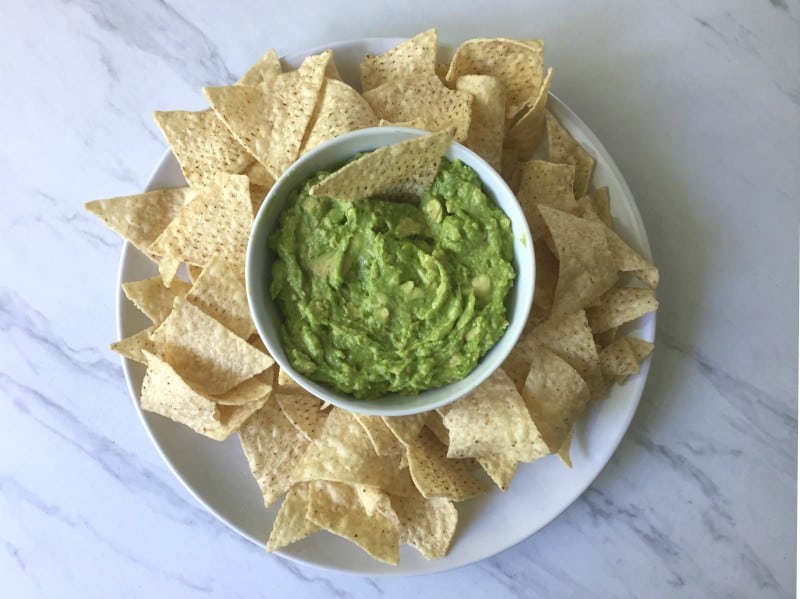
(638, 382)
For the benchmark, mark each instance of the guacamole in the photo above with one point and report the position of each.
(384, 296)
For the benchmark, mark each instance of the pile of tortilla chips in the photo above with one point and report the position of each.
(378, 481)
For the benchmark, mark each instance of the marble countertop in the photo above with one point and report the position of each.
(699, 103)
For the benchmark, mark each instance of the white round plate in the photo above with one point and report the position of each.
(218, 476)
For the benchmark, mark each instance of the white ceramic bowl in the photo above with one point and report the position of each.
(260, 258)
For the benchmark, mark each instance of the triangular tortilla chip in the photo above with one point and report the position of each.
(336, 508)
(428, 525)
(131, 347)
(291, 523)
(220, 292)
(217, 221)
(141, 218)
(383, 439)
(527, 131)
(556, 396)
(208, 355)
(340, 110)
(493, 420)
(586, 268)
(500, 469)
(620, 305)
(264, 72)
(153, 298)
(166, 393)
(517, 64)
(547, 183)
(303, 410)
(562, 147)
(405, 168)
(415, 56)
(424, 100)
(272, 446)
(488, 119)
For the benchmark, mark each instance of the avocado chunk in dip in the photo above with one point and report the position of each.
(380, 296)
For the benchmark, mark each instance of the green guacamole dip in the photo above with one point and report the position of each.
(381, 296)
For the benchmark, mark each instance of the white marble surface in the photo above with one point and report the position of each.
(699, 103)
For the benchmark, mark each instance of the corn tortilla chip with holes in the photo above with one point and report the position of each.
(562, 147)
(303, 410)
(424, 100)
(166, 393)
(406, 428)
(517, 64)
(341, 109)
(547, 183)
(343, 452)
(618, 359)
(620, 305)
(220, 292)
(272, 446)
(216, 222)
(271, 123)
(154, 299)
(131, 347)
(253, 389)
(500, 469)
(405, 168)
(527, 131)
(264, 72)
(335, 507)
(493, 420)
(202, 144)
(629, 260)
(291, 523)
(209, 356)
(415, 56)
(141, 218)
(436, 475)
(556, 396)
(487, 123)
(570, 338)
(383, 439)
(586, 267)
(428, 525)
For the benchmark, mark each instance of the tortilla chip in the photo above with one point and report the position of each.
(202, 144)
(383, 439)
(500, 469)
(343, 452)
(153, 298)
(618, 359)
(493, 420)
(272, 123)
(406, 428)
(601, 205)
(570, 338)
(336, 508)
(545, 284)
(291, 523)
(428, 525)
(217, 221)
(131, 347)
(563, 451)
(517, 65)
(547, 183)
(629, 260)
(264, 72)
(620, 305)
(303, 410)
(220, 292)
(210, 357)
(253, 389)
(488, 120)
(424, 100)
(562, 147)
(527, 131)
(437, 476)
(556, 396)
(641, 349)
(272, 446)
(287, 383)
(166, 393)
(586, 267)
(141, 218)
(415, 56)
(511, 169)
(340, 110)
(405, 168)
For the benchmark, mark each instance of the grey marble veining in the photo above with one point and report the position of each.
(698, 103)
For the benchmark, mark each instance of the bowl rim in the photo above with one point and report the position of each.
(393, 404)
